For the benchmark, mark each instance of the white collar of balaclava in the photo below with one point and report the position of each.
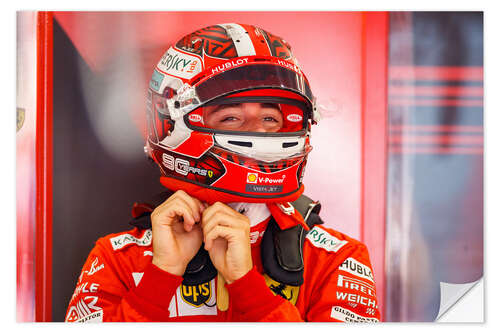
(256, 212)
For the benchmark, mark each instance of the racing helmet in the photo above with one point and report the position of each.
(220, 68)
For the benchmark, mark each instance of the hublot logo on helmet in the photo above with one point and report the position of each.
(229, 64)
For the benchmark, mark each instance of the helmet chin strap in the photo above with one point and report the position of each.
(211, 196)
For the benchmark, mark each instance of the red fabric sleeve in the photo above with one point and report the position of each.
(102, 295)
(252, 300)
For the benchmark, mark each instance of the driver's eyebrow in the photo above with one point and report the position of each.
(264, 105)
(224, 106)
(271, 105)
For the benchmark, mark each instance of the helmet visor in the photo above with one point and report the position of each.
(253, 76)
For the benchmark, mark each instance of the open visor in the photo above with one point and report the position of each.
(253, 111)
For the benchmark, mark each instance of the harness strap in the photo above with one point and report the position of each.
(281, 250)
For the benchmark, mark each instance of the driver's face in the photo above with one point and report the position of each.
(247, 117)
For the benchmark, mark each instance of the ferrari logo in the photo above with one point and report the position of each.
(20, 118)
(290, 293)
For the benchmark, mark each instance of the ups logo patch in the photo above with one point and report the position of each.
(196, 295)
(290, 293)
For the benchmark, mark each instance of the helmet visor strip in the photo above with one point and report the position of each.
(250, 114)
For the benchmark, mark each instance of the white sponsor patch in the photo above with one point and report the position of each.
(179, 306)
(353, 266)
(345, 315)
(95, 317)
(121, 241)
(322, 239)
(180, 64)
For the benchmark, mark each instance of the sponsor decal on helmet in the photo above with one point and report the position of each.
(345, 315)
(182, 166)
(295, 118)
(252, 178)
(263, 188)
(196, 295)
(291, 66)
(195, 117)
(264, 184)
(229, 64)
(156, 80)
(179, 64)
(322, 239)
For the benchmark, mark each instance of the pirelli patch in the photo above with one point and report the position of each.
(121, 241)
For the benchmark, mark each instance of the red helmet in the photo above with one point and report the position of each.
(217, 66)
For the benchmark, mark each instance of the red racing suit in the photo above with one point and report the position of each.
(118, 282)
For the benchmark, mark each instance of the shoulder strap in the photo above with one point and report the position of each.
(309, 209)
(281, 250)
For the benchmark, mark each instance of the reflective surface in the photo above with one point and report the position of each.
(435, 162)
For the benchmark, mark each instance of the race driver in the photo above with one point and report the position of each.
(233, 239)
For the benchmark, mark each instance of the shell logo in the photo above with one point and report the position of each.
(252, 178)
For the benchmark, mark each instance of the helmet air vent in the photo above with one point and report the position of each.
(240, 143)
(289, 144)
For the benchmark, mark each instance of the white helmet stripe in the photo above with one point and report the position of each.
(267, 149)
(241, 40)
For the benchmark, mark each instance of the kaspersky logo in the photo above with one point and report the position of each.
(253, 178)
